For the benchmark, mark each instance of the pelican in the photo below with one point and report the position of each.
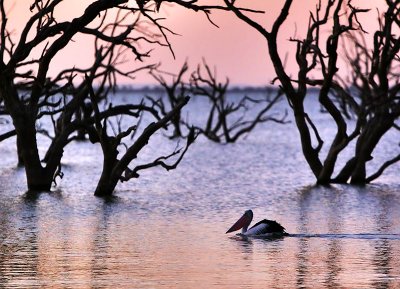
(264, 228)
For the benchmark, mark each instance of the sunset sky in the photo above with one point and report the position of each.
(234, 49)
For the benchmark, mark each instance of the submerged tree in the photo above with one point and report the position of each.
(116, 165)
(30, 92)
(29, 96)
(176, 91)
(228, 118)
(373, 92)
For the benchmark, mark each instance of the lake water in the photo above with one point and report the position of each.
(167, 229)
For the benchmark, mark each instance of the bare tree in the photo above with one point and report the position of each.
(230, 119)
(176, 91)
(28, 90)
(72, 114)
(40, 94)
(373, 92)
(116, 164)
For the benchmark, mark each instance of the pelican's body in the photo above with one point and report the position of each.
(264, 228)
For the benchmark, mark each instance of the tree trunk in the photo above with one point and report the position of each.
(176, 121)
(106, 185)
(309, 152)
(108, 179)
(38, 178)
(19, 154)
(296, 100)
(345, 173)
(371, 136)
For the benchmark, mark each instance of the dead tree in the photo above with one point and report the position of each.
(371, 92)
(27, 61)
(175, 91)
(115, 164)
(39, 94)
(228, 120)
(71, 121)
(376, 114)
(30, 93)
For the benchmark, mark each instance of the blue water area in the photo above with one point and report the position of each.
(167, 229)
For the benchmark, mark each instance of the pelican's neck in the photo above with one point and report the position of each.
(244, 229)
(248, 216)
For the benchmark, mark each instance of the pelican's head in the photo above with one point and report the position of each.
(243, 222)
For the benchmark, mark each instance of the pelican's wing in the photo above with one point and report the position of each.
(258, 229)
(265, 227)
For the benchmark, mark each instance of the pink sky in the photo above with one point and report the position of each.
(236, 50)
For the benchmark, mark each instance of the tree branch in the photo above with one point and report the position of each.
(382, 169)
(7, 135)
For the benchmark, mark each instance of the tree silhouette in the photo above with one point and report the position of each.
(30, 93)
(372, 92)
(228, 118)
(29, 96)
(176, 91)
(116, 165)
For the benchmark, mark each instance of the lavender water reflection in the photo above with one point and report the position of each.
(168, 230)
(49, 242)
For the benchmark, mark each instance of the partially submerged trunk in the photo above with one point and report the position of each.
(115, 169)
(20, 162)
(38, 178)
(106, 185)
(370, 87)
(109, 178)
(355, 168)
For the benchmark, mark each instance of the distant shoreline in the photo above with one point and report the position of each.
(234, 89)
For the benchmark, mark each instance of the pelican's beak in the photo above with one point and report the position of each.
(244, 220)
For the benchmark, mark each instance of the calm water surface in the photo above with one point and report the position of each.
(167, 230)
